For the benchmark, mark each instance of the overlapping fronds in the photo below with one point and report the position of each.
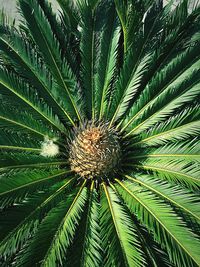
(42, 34)
(99, 134)
(161, 220)
(119, 234)
(21, 232)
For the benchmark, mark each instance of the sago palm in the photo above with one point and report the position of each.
(99, 137)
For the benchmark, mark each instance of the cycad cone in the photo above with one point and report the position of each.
(95, 151)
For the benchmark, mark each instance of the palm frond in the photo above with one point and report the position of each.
(107, 63)
(18, 184)
(89, 46)
(20, 121)
(65, 231)
(70, 16)
(131, 15)
(92, 250)
(155, 255)
(160, 82)
(175, 195)
(24, 160)
(175, 171)
(64, 25)
(179, 127)
(188, 150)
(50, 225)
(180, 92)
(18, 235)
(11, 217)
(99, 134)
(40, 30)
(15, 86)
(161, 220)
(118, 232)
(127, 85)
(29, 64)
(14, 141)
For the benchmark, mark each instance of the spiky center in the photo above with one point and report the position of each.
(95, 151)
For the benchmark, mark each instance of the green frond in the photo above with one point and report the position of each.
(21, 122)
(175, 171)
(106, 67)
(183, 90)
(5, 21)
(89, 46)
(162, 80)
(64, 26)
(70, 16)
(21, 232)
(188, 150)
(176, 195)
(18, 184)
(43, 235)
(127, 85)
(55, 23)
(92, 250)
(19, 142)
(155, 256)
(43, 36)
(64, 233)
(120, 240)
(99, 134)
(152, 24)
(25, 160)
(160, 219)
(131, 14)
(15, 86)
(48, 227)
(11, 217)
(27, 62)
(179, 127)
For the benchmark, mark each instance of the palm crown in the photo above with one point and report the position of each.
(99, 122)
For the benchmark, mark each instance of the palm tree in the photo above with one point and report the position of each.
(99, 135)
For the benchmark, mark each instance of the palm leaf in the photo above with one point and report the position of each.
(49, 48)
(187, 150)
(99, 134)
(89, 46)
(121, 234)
(131, 14)
(49, 225)
(92, 251)
(179, 127)
(188, 92)
(22, 121)
(106, 66)
(162, 80)
(65, 231)
(14, 141)
(176, 171)
(17, 185)
(127, 86)
(169, 228)
(14, 240)
(10, 84)
(24, 57)
(23, 160)
(175, 195)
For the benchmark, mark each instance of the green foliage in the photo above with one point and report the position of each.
(92, 250)
(120, 238)
(160, 219)
(134, 67)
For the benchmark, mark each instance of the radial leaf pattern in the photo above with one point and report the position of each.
(99, 134)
